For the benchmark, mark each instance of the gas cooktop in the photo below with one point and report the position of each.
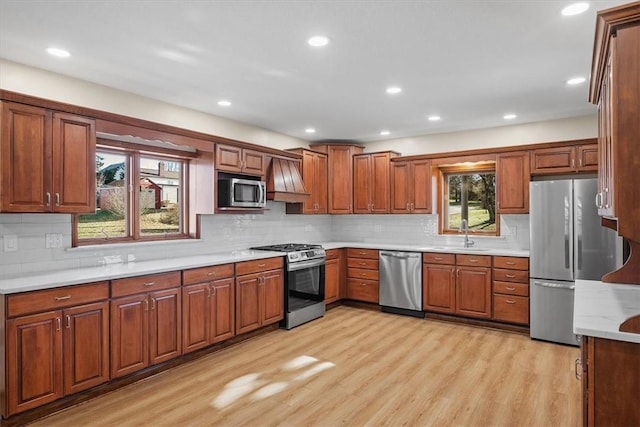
(288, 247)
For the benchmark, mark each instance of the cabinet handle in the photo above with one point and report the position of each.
(509, 301)
(599, 200)
(510, 276)
(362, 253)
(149, 283)
(261, 265)
(213, 291)
(577, 371)
(509, 288)
(68, 322)
(211, 273)
(363, 274)
(146, 305)
(362, 263)
(408, 206)
(209, 292)
(66, 297)
(58, 324)
(48, 198)
(363, 284)
(153, 303)
(573, 163)
(580, 163)
(57, 199)
(510, 263)
(473, 260)
(412, 206)
(438, 258)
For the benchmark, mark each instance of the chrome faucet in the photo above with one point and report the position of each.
(464, 228)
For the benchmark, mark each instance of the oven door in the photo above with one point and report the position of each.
(306, 280)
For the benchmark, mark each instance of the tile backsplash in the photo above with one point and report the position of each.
(220, 233)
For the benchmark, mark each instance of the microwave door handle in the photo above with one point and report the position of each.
(261, 199)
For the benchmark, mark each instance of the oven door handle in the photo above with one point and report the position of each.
(295, 266)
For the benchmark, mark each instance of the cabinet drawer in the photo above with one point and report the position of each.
(519, 276)
(333, 253)
(512, 263)
(362, 290)
(259, 265)
(511, 288)
(473, 260)
(206, 274)
(361, 273)
(152, 282)
(438, 258)
(36, 301)
(362, 253)
(511, 309)
(366, 263)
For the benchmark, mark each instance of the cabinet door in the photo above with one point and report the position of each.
(512, 179)
(86, 346)
(309, 179)
(553, 160)
(473, 291)
(196, 313)
(253, 162)
(74, 164)
(340, 179)
(380, 192)
(605, 200)
(421, 186)
(222, 310)
(272, 286)
(165, 325)
(332, 280)
(34, 360)
(438, 288)
(247, 303)
(25, 156)
(362, 184)
(320, 188)
(587, 156)
(129, 334)
(228, 158)
(400, 186)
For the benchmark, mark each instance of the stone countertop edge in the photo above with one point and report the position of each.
(600, 308)
(54, 279)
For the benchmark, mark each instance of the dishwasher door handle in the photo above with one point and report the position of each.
(400, 254)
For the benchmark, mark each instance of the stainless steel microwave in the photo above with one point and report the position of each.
(241, 193)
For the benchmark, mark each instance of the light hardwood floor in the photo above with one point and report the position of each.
(355, 367)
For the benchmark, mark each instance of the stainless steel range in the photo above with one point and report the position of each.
(303, 283)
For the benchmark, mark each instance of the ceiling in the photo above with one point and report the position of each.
(469, 62)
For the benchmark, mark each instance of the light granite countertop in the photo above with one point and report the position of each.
(600, 308)
(76, 276)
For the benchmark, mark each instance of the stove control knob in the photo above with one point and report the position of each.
(294, 256)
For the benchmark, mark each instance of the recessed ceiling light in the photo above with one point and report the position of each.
(576, 80)
(433, 118)
(385, 132)
(392, 90)
(318, 41)
(310, 130)
(509, 116)
(575, 9)
(60, 53)
(224, 103)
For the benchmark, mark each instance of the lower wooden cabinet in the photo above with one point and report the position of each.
(439, 288)
(259, 296)
(57, 352)
(511, 289)
(333, 275)
(363, 275)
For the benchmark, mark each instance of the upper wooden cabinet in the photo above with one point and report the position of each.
(339, 176)
(578, 158)
(314, 176)
(48, 161)
(512, 180)
(371, 192)
(411, 186)
(230, 158)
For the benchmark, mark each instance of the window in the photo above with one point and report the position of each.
(469, 193)
(139, 196)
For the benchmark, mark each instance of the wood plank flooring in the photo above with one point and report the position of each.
(355, 367)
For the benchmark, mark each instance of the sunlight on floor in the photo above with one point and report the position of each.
(263, 385)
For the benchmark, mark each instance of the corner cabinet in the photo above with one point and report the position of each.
(371, 190)
(314, 176)
(259, 293)
(512, 182)
(410, 183)
(47, 161)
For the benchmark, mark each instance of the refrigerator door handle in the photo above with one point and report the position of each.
(570, 286)
(567, 226)
(578, 225)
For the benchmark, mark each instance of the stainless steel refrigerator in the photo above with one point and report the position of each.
(568, 242)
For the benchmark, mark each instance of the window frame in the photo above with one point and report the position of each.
(443, 189)
(133, 153)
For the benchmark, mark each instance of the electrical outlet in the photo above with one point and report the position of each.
(52, 240)
(10, 243)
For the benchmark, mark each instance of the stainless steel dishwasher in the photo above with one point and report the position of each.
(401, 282)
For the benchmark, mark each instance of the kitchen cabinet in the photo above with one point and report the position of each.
(363, 275)
(410, 183)
(208, 306)
(339, 175)
(146, 322)
(568, 159)
(615, 88)
(511, 289)
(48, 161)
(333, 275)
(314, 176)
(457, 284)
(230, 158)
(57, 344)
(609, 372)
(259, 293)
(371, 192)
(512, 182)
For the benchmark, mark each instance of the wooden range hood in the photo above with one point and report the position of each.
(284, 182)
